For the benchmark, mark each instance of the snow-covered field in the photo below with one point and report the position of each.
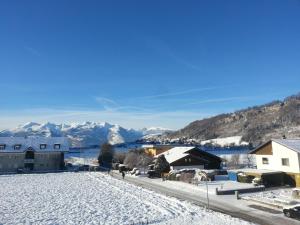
(236, 140)
(93, 198)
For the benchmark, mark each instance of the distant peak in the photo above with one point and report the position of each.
(29, 124)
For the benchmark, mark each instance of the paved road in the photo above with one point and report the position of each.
(223, 204)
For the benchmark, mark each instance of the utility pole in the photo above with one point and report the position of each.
(206, 182)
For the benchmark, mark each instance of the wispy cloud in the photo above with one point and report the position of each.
(218, 100)
(182, 92)
(107, 103)
(111, 105)
(32, 51)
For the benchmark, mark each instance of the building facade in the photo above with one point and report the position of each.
(280, 155)
(32, 153)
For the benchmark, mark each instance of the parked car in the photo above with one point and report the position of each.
(292, 211)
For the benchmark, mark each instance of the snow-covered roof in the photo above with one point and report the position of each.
(34, 143)
(293, 144)
(176, 153)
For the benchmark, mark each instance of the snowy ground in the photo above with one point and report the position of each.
(278, 197)
(236, 140)
(93, 198)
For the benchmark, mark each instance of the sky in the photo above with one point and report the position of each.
(144, 63)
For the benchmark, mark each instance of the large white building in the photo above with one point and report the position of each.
(32, 153)
(280, 155)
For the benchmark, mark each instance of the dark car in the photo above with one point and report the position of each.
(292, 211)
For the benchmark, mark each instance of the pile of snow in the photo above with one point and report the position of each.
(228, 141)
(83, 134)
(94, 198)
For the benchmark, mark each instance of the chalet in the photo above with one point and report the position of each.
(191, 157)
(32, 153)
(280, 155)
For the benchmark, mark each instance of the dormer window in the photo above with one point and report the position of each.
(17, 147)
(43, 146)
(56, 146)
(2, 146)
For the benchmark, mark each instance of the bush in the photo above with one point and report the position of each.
(243, 178)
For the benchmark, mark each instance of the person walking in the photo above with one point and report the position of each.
(123, 174)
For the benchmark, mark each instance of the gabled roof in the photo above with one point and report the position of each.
(176, 153)
(293, 144)
(34, 143)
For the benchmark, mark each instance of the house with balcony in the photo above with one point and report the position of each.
(32, 153)
(280, 155)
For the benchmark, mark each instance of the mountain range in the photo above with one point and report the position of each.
(84, 134)
(253, 125)
(277, 119)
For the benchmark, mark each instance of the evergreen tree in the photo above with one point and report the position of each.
(106, 155)
(161, 165)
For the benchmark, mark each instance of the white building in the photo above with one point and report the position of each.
(280, 155)
(32, 153)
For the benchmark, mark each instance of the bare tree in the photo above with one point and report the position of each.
(144, 160)
(119, 157)
(234, 161)
(131, 160)
(250, 161)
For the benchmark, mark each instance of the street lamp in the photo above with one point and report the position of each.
(206, 179)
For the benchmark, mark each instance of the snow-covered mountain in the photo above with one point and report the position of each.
(84, 134)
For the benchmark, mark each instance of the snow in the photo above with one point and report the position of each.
(83, 134)
(93, 198)
(176, 153)
(222, 184)
(281, 197)
(227, 141)
(34, 142)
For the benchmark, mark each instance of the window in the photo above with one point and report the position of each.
(43, 146)
(2, 147)
(285, 161)
(265, 161)
(17, 147)
(56, 146)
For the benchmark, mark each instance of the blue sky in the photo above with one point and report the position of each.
(144, 63)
